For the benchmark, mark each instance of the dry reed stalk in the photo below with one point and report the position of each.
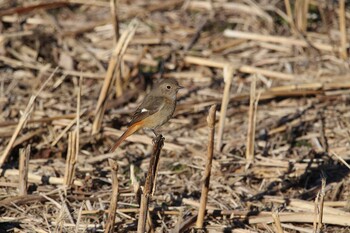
(22, 121)
(319, 203)
(37, 179)
(277, 222)
(301, 13)
(205, 62)
(253, 104)
(71, 159)
(149, 184)
(23, 170)
(307, 205)
(342, 29)
(114, 197)
(302, 217)
(244, 69)
(290, 14)
(207, 172)
(341, 159)
(73, 142)
(276, 39)
(115, 21)
(228, 77)
(113, 66)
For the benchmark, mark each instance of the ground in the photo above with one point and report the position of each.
(278, 72)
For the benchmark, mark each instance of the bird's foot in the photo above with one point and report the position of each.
(155, 133)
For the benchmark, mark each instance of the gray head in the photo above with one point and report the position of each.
(167, 87)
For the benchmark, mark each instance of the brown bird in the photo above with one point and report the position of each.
(155, 110)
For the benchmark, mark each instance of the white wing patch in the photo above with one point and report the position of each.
(144, 110)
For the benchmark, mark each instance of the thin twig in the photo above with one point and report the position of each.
(251, 122)
(206, 181)
(290, 15)
(341, 159)
(276, 39)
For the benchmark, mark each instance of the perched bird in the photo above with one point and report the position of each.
(155, 110)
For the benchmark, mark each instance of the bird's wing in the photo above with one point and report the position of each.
(149, 106)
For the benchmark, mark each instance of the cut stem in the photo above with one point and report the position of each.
(205, 186)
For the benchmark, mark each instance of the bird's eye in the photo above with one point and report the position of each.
(168, 87)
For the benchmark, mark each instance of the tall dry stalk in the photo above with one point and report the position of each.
(290, 14)
(149, 184)
(253, 103)
(113, 66)
(206, 178)
(301, 10)
(228, 76)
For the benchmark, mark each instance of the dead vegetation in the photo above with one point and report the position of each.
(73, 72)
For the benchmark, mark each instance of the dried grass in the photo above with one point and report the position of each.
(295, 126)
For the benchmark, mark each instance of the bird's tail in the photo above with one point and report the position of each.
(132, 129)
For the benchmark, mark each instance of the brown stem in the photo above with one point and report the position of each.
(149, 184)
(205, 187)
(23, 170)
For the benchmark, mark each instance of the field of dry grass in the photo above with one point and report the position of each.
(275, 75)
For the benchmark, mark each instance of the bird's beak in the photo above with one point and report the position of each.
(180, 87)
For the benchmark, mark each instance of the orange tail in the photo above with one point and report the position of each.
(132, 129)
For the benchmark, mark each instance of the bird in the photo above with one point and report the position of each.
(156, 109)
